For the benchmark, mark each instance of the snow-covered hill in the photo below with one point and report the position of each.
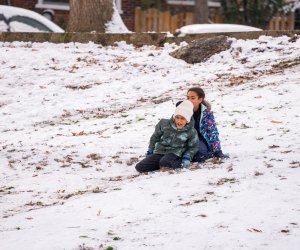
(75, 119)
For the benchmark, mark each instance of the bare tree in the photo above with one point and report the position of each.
(201, 11)
(89, 15)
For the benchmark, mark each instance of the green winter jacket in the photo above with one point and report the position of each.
(167, 138)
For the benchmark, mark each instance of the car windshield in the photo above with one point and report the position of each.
(21, 23)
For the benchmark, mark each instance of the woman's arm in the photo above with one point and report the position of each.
(212, 133)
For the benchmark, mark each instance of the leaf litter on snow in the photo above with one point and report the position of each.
(72, 134)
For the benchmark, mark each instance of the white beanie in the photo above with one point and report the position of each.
(185, 109)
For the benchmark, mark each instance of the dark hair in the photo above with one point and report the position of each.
(200, 92)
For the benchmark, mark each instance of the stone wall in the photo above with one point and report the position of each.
(137, 39)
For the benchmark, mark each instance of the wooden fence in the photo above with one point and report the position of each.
(157, 21)
(283, 22)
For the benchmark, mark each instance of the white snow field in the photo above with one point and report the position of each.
(76, 118)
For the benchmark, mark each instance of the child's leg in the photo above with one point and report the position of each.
(151, 163)
(170, 161)
(202, 154)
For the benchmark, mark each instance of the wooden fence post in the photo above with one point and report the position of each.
(166, 20)
(189, 18)
(291, 20)
(137, 19)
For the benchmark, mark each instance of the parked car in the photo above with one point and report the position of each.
(213, 28)
(13, 19)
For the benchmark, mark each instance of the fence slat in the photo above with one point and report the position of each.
(166, 21)
(137, 19)
(189, 18)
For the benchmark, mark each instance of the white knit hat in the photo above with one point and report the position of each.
(185, 109)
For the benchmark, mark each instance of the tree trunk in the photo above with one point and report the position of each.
(201, 11)
(89, 15)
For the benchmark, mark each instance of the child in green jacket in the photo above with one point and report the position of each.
(174, 141)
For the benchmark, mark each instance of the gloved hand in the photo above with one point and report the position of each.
(149, 152)
(220, 155)
(185, 163)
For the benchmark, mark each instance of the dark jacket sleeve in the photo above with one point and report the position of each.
(156, 135)
(192, 145)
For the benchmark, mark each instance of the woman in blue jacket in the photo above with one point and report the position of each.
(205, 125)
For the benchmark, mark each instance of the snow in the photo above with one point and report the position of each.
(292, 6)
(116, 25)
(213, 28)
(75, 119)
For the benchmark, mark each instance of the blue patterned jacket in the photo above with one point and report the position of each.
(208, 129)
